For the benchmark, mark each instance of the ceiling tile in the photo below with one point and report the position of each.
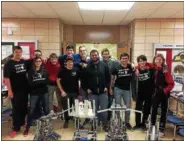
(92, 17)
(68, 11)
(167, 10)
(113, 17)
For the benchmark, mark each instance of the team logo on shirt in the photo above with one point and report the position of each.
(38, 77)
(144, 76)
(20, 68)
(74, 73)
(124, 72)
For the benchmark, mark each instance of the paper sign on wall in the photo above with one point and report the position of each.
(25, 52)
(6, 51)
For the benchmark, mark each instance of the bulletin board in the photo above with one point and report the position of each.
(174, 55)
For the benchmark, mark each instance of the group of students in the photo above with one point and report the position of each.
(72, 76)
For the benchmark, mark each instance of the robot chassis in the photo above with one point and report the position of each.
(83, 111)
(152, 133)
(44, 130)
(117, 126)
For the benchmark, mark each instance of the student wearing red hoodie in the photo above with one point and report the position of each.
(163, 85)
(52, 66)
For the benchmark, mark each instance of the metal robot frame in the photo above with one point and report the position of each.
(44, 130)
(83, 110)
(117, 127)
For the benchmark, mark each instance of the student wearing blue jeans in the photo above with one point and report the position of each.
(123, 73)
(38, 81)
(98, 84)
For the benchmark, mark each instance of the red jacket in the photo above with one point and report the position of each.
(168, 79)
(52, 71)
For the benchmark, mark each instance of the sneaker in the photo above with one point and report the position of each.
(128, 126)
(65, 125)
(25, 133)
(136, 127)
(13, 134)
(162, 134)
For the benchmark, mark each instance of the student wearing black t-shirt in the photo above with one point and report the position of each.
(145, 81)
(68, 84)
(16, 80)
(38, 80)
(123, 75)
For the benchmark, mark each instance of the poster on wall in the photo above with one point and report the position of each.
(25, 52)
(178, 68)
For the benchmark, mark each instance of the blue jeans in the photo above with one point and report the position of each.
(125, 96)
(101, 103)
(34, 99)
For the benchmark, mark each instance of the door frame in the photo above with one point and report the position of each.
(166, 46)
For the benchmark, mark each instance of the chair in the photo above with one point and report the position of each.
(177, 122)
(181, 131)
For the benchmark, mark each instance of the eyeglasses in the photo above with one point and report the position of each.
(38, 61)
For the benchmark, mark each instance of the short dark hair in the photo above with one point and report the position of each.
(93, 51)
(104, 50)
(17, 48)
(69, 47)
(53, 55)
(38, 51)
(123, 55)
(141, 57)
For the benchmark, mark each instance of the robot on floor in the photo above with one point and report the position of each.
(152, 132)
(117, 127)
(44, 130)
(83, 110)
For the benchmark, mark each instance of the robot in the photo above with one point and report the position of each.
(117, 127)
(84, 110)
(152, 133)
(44, 130)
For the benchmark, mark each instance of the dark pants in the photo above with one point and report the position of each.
(159, 98)
(34, 101)
(143, 104)
(19, 109)
(64, 101)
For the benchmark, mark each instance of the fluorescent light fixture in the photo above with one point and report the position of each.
(105, 5)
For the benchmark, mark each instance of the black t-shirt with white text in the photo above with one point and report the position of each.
(69, 79)
(17, 73)
(145, 81)
(123, 75)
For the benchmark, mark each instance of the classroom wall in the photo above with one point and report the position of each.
(149, 31)
(48, 32)
(93, 34)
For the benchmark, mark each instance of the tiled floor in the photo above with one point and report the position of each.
(68, 133)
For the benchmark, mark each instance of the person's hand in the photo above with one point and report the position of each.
(10, 94)
(89, 91)
(105, 90)
(63, 94)
(110, 91)
(84, 65)
(137, 72)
